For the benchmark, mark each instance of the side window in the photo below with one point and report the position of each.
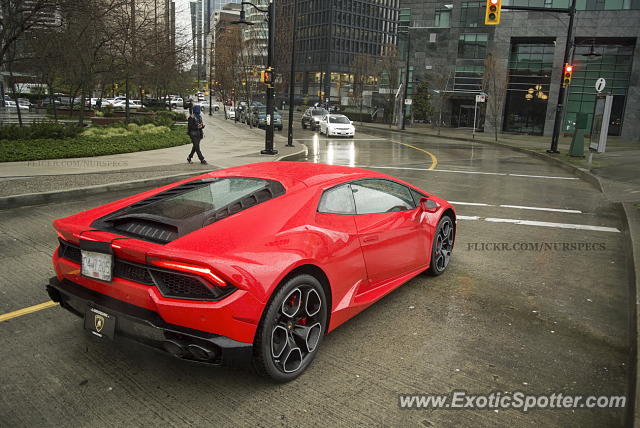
(416, 196)
(337, 200)
(381, 196)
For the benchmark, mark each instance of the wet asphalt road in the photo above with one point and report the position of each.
(497, 320)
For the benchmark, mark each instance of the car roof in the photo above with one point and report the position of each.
(295, 174)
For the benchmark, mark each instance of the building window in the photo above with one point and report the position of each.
(472, 46)
(443, 18)
(472, 14)
(468, 78)
(530, 66)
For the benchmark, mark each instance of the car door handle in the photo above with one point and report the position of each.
(372, 238)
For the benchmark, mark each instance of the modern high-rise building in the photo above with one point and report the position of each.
(450, 43)
(331, 34)
(203, 14)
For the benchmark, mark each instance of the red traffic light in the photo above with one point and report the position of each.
(569, 68)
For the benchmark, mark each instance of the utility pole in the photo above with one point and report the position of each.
(292, 73)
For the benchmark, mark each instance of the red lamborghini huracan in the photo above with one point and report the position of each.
(252, 264)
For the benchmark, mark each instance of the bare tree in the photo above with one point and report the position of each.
(363, 67)
(495, 85)
(439, 81)
(388, 73)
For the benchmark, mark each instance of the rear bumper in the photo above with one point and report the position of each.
(147, 327)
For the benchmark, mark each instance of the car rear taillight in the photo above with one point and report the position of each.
(204, 272)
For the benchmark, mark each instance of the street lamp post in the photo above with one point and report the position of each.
(271, 19)
(406, 82)
(292, 74)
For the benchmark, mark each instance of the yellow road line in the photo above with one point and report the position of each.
(28, 310)
(434, 159)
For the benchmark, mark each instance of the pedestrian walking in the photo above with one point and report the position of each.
(195, 130)
(99, 103)
(190, 105)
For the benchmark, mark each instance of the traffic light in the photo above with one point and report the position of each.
(266, 76)
(567, 74)
(492, 14)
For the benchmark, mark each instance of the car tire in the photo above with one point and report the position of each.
(304, 126)
(442, 246)
(291, 329)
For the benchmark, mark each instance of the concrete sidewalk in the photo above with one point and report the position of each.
(225, 144)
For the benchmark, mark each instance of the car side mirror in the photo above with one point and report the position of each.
(351, 122)
(429, 205)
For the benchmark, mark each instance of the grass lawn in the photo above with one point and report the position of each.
(90, 145)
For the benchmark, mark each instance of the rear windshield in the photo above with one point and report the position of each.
(200, 200)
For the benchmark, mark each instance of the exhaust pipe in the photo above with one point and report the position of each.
(201, 353)
(175, 348)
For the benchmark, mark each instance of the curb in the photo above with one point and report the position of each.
(581, 173)
(632, 218)
(26, 199)
(16, 201)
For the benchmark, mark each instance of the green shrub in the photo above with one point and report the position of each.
(118, 139)
(39, 130)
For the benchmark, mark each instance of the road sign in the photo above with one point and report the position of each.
(600, 84)
(600, 123)
(385, 91)
(408, 101)
(481, 98)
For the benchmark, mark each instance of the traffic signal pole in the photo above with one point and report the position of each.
(562, 92)
(268, 143)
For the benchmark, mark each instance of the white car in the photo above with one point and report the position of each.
(337, 124)
(175, 102)
(133, 104)
(12, 105)
(231, 113)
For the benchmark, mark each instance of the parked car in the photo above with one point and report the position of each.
(122, 104)
(175, 102)
(259, 118)
(47, 101)
(172, 268)
(337, 124)
(312, 116)
(230, 113)
(154, 102)
(12, 105)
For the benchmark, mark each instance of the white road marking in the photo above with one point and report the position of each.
(544, 176)
(475, 204)
(467, 217)
(550, 224)
(557, 210)
(520, 207)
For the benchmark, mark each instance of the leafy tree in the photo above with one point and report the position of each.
(422, 102)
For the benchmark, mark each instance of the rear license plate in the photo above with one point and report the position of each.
(97, 265)
(100, 323)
